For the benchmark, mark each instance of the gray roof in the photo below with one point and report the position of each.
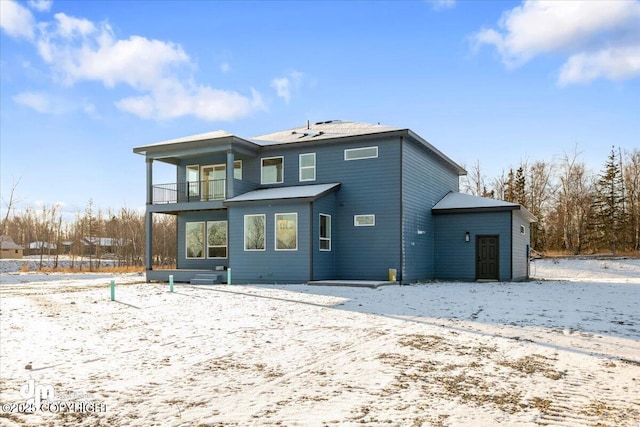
(279, 193)
(6, 242)
(321, 130)
(460, 202)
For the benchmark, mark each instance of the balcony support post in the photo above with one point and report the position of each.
(148, 220)
(149, 181)
(230, 165)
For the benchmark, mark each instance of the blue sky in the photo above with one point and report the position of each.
(83, 82)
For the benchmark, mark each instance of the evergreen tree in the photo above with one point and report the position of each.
(609, 201)
(520, 194)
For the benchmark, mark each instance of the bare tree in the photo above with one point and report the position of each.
(10, 204)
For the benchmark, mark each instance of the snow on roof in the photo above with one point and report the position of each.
(321, 130)
(295, 192)
(6, 242)
(467, 201)
(460, 201)
(218, 134)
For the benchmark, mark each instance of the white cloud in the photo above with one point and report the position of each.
(43, 103)
(34, 100)
(160, 72)
(442, 4)
(592, 33)
(285, 85)
(16, 20)
(40, 5)
(613, 64)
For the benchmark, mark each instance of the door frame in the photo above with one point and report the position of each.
(477, 257)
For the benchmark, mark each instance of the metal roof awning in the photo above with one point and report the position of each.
(300, 192)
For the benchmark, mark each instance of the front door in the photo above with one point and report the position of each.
(487, 258)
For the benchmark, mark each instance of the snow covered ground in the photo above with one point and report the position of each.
(563, 350)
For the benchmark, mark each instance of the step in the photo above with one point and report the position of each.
(205, 279)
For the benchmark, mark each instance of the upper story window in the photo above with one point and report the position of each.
(272, 170)
(193, 179)
(361, 153)
(308, 167)
(364, 220)
(237, 169)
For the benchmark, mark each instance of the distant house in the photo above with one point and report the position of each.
(101, 245)
(35, 248)
(331, 200)
(9, 249)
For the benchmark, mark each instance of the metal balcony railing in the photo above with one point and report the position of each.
(194, 191)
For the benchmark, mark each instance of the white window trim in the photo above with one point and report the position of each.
(186, 240)
(321, 239)
(244, 233)
(275, 231)
(234, 169)
(262, 170)
(307, 167)
(355, 220)
(351, 150)
(226, 246)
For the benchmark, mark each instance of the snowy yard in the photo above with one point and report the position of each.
(560, 351)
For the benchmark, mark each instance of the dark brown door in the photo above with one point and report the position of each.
(487, 258)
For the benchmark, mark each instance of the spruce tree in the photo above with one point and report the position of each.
(609, 202)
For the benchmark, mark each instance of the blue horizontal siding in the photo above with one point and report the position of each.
(455, 259)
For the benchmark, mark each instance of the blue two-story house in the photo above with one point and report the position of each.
(333, 200)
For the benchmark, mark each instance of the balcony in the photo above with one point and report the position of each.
(194, 191)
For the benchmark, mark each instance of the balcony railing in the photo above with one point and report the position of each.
(194, 191)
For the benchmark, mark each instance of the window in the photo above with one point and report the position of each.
(216, 239)
(272, 170)
(237, 169)
(364, 220)
(193, 179)
(325, 232)
(361, 153)
(287, 232)
(195, 239)
(254, 232)
(308, 167)
(522, 229)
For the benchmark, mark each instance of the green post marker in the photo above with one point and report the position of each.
(228, 276)
(113, 290)
(171, 283)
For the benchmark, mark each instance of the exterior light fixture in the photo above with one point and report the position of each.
(467, 236)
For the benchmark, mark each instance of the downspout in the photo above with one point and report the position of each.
(311, 241)
(511, 251)
(401, 194)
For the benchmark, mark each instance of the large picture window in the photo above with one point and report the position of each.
(195, 239)
(272, 170)
(254, 232)
(361, 153)
(325, 232)
(286, 232)
(308, 167)
(216, 239)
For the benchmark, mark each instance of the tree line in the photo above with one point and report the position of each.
(578, 211)
(95, 235)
